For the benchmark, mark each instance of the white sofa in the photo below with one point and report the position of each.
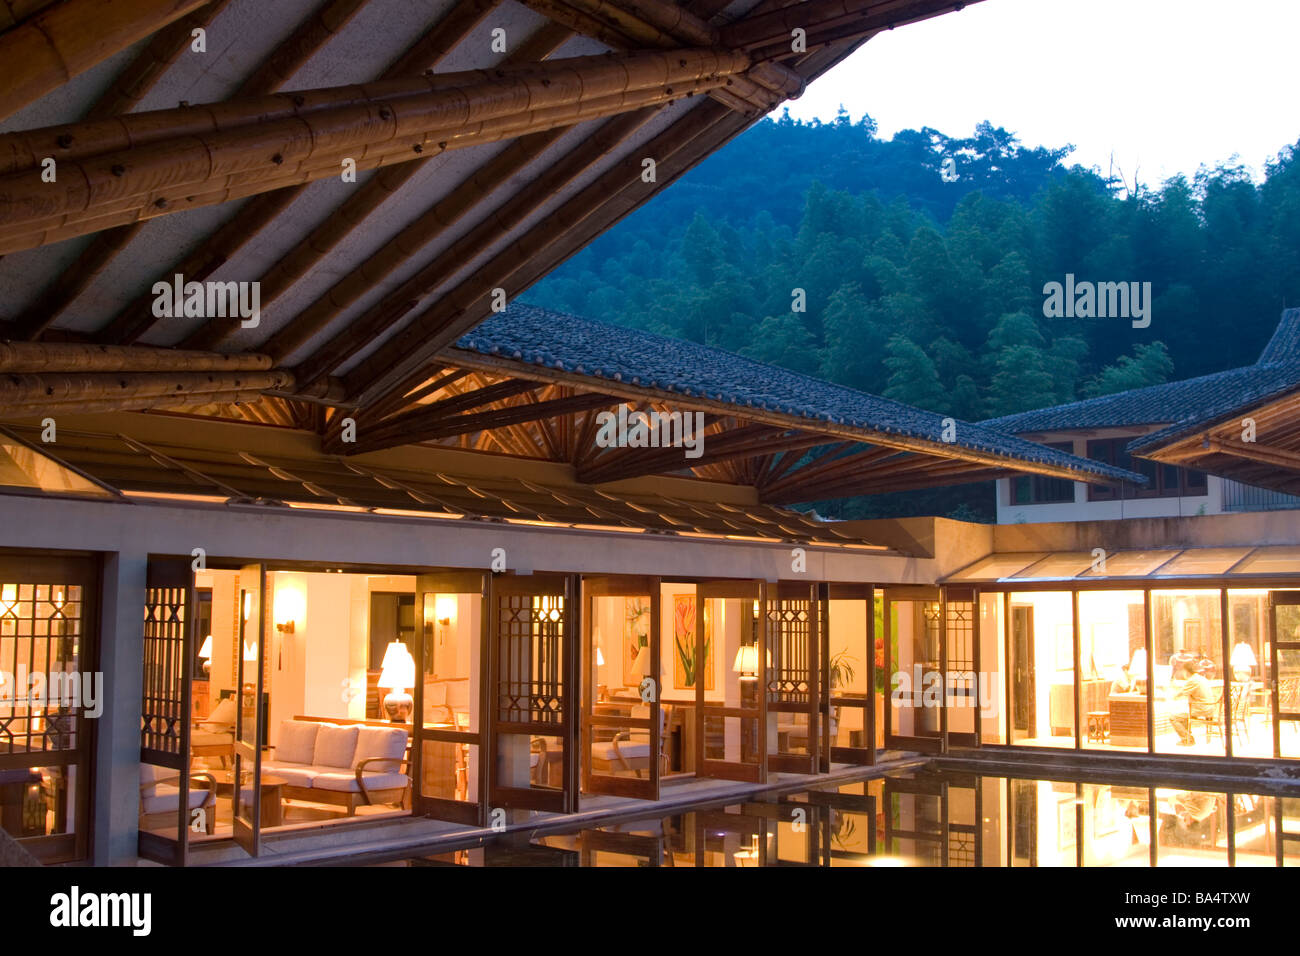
(343, 764)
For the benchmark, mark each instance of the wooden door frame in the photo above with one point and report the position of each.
(620, 585)
(564, 800)
(865, 756)
(1029, 696)
(912, 594)
(817, 637)
(35, 566)
(441, 808)
(249, 836)
(746, 590)
(1288, 599)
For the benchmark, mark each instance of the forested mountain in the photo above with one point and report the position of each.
(931, 291)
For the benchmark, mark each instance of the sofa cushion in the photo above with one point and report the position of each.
(222, 717)
(387, 742)
(347, 782)
(294, 774)
(297, 741)
(335, 746)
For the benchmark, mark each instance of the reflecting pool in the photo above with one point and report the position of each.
(929, 816)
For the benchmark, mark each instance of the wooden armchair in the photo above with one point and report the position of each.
(160, 799)
(629, 750)
(1214, 723)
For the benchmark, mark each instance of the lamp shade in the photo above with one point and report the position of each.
(250, 651)
(398, 669)
(600, 658)
(205, 651)
(641, 666)
(746, 659)
(1243, 656)
(1138, 665)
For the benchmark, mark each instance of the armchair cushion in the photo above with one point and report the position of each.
(167, 799)
(346, 782)
(386, 742)
(222, 717)
(335, 746)
(297, 741)
(201, 739)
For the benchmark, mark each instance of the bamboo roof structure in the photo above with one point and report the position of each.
(368, 180)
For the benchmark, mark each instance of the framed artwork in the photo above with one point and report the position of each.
(685, 669)
(636, 635)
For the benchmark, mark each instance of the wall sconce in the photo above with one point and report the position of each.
(290, 608)
(248, 605)
(444, 612)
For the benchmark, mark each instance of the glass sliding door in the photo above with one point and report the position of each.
(622, 714)
(849, 626)
(1189, 705)
(531, 694)
(793, 683)
(1042, 668)
(246, 781)
(913, 642)
(452, 618)
(727, 671)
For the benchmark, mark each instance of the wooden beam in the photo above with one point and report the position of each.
(65, 39)
(376, 320)
(744, 442)
(1278, 457)
(425, 53)
(420, 427)
(24, 393)
(45, 357)
(244, 148)
(465, 305)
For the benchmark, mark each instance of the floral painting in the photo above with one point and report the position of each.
(684, 663)
(636, 635)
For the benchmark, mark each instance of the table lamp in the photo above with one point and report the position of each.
(397, 673)
(205, 655)
(746, 663)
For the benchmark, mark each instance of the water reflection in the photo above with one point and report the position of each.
(932, 817)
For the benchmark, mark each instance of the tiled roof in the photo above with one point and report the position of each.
(1183, 405)
(600, 351)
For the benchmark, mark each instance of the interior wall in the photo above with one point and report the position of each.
(1053, 650)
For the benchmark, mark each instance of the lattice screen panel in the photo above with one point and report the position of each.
(41, 680)
(163, 715)
(531, 665)
(789, 637)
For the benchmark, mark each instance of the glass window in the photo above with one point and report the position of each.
(1189, 689)
(1203, 561)
(1042, 668)
(1112, 658)
(1248, 663)
(998, 567)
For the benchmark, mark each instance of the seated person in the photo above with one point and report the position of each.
(1200, 700)
(1125, 683)
(1185, 825)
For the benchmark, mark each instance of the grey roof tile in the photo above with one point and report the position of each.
(602, 351)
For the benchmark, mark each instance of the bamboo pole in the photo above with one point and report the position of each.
(69, 357)
(55, 228)
(97, 406)
(310, 36)
(53, 388)
(433, 329)
(14, 12)
(58, 42)
(425, 53)
(378, 318)
(164, 49)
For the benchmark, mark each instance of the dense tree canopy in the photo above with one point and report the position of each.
(931, 290)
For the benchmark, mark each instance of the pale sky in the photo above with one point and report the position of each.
(1164, 85)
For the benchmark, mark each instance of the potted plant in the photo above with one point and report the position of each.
(841, 670)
